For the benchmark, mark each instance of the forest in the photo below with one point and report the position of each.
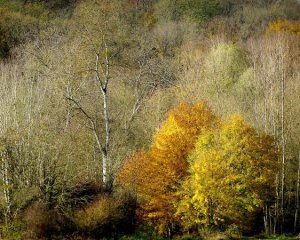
(149, 119)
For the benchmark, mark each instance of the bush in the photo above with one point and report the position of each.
(42, 222)
(15, 27)
(211, 234)
(233, 232)
(12, 232)
(107, 216)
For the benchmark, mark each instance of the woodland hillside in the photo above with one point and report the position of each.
(149, 119)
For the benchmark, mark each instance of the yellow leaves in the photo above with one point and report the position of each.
(171, 126)
(228, 174)
(179, 132)
(201, 171)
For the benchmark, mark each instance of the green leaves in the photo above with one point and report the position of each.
(224, 65)
(197, 10)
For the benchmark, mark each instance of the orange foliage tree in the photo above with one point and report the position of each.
(132, 175)
(159, 172)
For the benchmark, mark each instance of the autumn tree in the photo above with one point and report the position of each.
(232, 174)
(165, 165)
(132, 175)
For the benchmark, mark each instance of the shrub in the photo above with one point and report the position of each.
(42, 222)
(11, 232)
(233, 232)
(107, 216)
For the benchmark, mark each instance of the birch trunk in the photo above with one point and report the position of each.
(282, 145)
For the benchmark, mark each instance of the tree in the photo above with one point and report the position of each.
(232, 174)
(102, 42)
(165, 165)
(274, 59)
(131, 175)
(18, 24)
(213, 73)
(114, 64)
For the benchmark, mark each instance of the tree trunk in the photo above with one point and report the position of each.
(283, 147)
(297, 197)
(265, 216)
(6, 189)
(104, 91)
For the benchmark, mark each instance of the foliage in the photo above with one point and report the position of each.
(160, 52)
(131, 175)
(106, 216)
(162, 169)
(233, 232)
(197, 10)
(232, 170)
(32, 9)
(18, 23)
(169, 151)
(284, 25)
(249, 18)
(41, 222)
(97, 215)
(12, 232)
(224, 65)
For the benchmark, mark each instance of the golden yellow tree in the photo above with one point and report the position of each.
(231, 175)
(164, 167)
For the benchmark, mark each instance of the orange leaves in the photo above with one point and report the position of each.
(285, 25)
(158, 173)
(177, 137)
(131, 176)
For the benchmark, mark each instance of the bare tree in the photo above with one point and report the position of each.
(102, 76)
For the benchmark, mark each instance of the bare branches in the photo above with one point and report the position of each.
(102, 75)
